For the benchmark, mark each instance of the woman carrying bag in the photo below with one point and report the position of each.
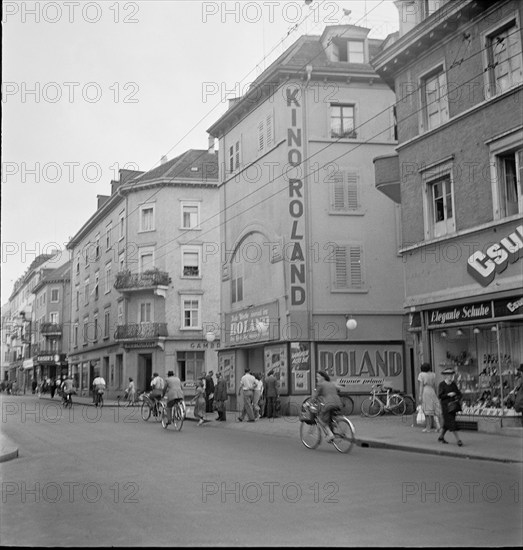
(449, 396)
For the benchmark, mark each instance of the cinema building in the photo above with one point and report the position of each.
(457, 71)
(311, 276)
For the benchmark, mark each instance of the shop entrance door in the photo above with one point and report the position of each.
(255, 360)
(145, 371)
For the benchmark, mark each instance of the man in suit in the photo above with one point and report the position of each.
(271, 394)
(209, 392)
(220, 397)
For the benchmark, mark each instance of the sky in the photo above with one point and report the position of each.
(89, 87)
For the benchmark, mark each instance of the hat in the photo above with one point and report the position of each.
(448, 370)
(218, 374)
(170, 373)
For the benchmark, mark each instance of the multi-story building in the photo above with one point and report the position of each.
(52, 327)
(310, 247)
(21, 346)
(143, 284)
(456, 68)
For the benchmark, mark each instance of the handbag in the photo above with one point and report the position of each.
(454, 406)
(420, 418)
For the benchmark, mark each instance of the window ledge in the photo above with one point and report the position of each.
(349, 290)
(146, 231)
(347, 213)
(190, 228)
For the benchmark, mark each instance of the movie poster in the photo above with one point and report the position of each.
(300, 368)
(276, 360)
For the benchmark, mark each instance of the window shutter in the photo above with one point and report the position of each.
(356, 274)
(260, 136)
(352, 191)
(340, 267)
(338, 191)
(269, 130)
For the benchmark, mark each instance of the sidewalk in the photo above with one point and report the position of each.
(386, 432)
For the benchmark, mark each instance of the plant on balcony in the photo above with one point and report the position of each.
(122, 278)
(156, 277)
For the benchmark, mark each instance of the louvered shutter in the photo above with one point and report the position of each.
(340, 267)
(260, 136)
(345, 191)
(353, 200)
(355, 266)
(269, 130)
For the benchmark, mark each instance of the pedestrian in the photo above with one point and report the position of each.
(52, 387)
(220, 397)
(449, 395)
(258, 390)
(428, 398)
(271, 394)
(199, 401)
(34, 384)
(209, 392)
(247, 385)
(131, 393)
(173, 391)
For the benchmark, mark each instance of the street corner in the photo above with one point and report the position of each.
(8, 449)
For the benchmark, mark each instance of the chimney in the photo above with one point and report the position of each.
(163, 160)
(210, 149)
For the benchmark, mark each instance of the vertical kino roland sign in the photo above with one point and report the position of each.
(296, 199)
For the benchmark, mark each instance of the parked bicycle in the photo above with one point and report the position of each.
(178, 412)
(311, 429)
(375, 405)
(151, 407)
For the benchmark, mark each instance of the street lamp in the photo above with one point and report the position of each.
(210, 336)
(351, 323)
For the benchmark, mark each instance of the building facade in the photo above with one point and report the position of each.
(456, 68)
(144, 286)
(309, 247)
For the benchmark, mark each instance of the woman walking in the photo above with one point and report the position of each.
(449, 395)
(428, 398)
(199, 401)
(131, 393)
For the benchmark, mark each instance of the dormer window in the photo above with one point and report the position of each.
(351, 51)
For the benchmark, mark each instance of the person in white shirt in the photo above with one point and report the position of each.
(157, 385)
(98, 387)
(247, 385)
(258, 392)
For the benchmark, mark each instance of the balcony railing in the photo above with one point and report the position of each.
(141, 331)
(49, 329)
(125, 280)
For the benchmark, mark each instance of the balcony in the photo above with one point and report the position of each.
(141, 335)
(387, 176)
(51, 329)
(153, 279)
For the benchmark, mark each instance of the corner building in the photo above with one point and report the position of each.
(144, 286)
(456, 68)
(307, 241)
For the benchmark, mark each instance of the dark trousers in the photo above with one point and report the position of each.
(208, 404)
(270, 408)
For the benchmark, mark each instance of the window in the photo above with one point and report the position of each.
(96, 290)
(265, 133)
(147, 217)
(503, 57)
(85, 328)
(438, 201)
(86, 291)
(120, 313)
(435, 107)
(97, 246)
(191, 312)
(95, 329)
(355, 51)
(86, 254)
(145, 258)
(107, 323)
(55, 295)
(234, 157)
(190, 215)
(121, 261)
(78, 267)
(121, 225)
(108, 280)
(509, 176)
(190, 364)
(191, 260)
(53, 317)
(342, 121)
(75, 335)
(344, 193)
(77, 300)
(108, 238)
(347, 267)
(145, 312)
(237, 283)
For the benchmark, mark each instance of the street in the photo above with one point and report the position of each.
(107, 478)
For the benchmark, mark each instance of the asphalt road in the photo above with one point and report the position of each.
(85, 478)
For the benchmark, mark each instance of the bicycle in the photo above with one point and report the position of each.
(67, 400)
(374, 405)
(178, 411)
(149, 408)
(99, 398)
(311, 430)
(347, 403)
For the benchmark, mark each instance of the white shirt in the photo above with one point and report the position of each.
(248, 382)
(99, 381)
(259, 386)
(157, 383)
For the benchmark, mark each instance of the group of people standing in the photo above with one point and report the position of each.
(444, 402)
(259, 396)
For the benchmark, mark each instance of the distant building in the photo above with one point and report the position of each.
(308, 243)
(144, 286)
(457, 71)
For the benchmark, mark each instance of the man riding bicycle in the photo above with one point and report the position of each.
(331, 402)
(157, 385)
(67, 388)
(174, 392)
(98, 388)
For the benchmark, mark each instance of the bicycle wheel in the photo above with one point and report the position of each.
(165, 421)
(160, 408)
(178, 417)
(310, 435)
(410, 404)
(371, 407)
(343, 434)
(347, 403)
(397, 405)
(145, 411)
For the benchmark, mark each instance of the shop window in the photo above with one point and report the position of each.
(190, 364)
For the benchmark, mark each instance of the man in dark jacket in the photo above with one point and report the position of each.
(271, 394)
(209, 392)
(220, 397)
